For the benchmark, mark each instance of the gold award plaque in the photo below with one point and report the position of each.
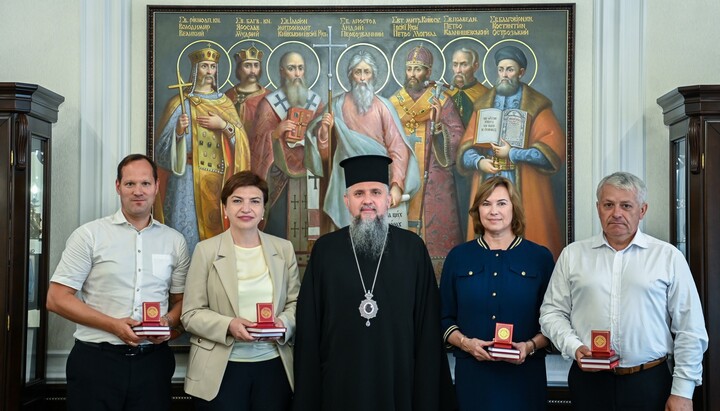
(504, 333)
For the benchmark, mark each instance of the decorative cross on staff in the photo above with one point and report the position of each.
(329, 45)
(180, 84)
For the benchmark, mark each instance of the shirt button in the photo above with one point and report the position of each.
(137, 289)
(495, 274)
(470, 273)
(493, 317)
(494, 294)
(523, 273)
(497, 255)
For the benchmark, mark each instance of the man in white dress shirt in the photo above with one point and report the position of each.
(118, 262)
(641, 290)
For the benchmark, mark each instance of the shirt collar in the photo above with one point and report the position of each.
(515, 242)
(640, 240)
(119, 219)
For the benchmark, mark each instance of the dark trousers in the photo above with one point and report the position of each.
(251, 386)
(115, 378)
(646, 390)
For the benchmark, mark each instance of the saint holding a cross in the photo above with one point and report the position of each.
(434, 129)
(201, 143)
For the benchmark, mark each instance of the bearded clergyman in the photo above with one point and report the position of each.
(432, 123)
(529, 167)
(368, 326)
(278, 152)
(363, 123)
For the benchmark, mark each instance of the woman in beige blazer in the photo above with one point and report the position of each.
(229, 274)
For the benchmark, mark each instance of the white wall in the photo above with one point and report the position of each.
(41, 45)
(40, 42)
(681, 50)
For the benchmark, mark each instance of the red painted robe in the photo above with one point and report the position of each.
(542, 224)
(282, 167)
(440, 219)
(246, 106)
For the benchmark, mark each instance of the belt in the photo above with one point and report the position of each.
(638, 368)
(189, 158)
(126, 350)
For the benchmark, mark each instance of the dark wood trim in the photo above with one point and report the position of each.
(692, 114)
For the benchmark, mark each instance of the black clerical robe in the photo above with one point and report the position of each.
(398, 363)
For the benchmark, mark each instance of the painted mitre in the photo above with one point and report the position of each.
(419, 56)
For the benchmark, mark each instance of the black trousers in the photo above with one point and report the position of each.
(119, 378)
(251, 386)
(646, 390)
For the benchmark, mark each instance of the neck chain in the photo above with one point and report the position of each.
(368, 307)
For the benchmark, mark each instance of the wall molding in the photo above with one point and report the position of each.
(104, 103)
(618, 90)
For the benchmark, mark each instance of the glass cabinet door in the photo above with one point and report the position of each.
(27, 113)
(679, 189)
(36, 248)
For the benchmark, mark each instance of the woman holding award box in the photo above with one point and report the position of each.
(229, 275)
(500, 277)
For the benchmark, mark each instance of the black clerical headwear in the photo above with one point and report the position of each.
(512, 53)
(360, 169)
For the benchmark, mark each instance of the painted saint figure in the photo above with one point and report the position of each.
(435, 129)
(465, 92)
(530, 167)
(278, 154)
(364, 123)
(248, 93)
(467, 89)
(201, 144)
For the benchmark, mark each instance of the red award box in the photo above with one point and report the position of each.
(600, 343)
(265, 315)
(151, 321)
(503, 335)
(265, 327)
(151, 313)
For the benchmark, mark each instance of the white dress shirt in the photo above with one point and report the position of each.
(117, 268)
(643, 295)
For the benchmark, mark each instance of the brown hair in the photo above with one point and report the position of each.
(136, 157)
(484, 191)
(244, 179)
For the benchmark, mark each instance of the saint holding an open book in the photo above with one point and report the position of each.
(514, 133)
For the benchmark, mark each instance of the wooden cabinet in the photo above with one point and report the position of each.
(693, 116)
(27, 112)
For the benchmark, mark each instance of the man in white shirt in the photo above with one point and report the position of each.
(641, 290)
(117, 263)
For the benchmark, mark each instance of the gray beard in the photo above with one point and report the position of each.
(296, 92)
(369, 235)
(507, 89)
(363, 94)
